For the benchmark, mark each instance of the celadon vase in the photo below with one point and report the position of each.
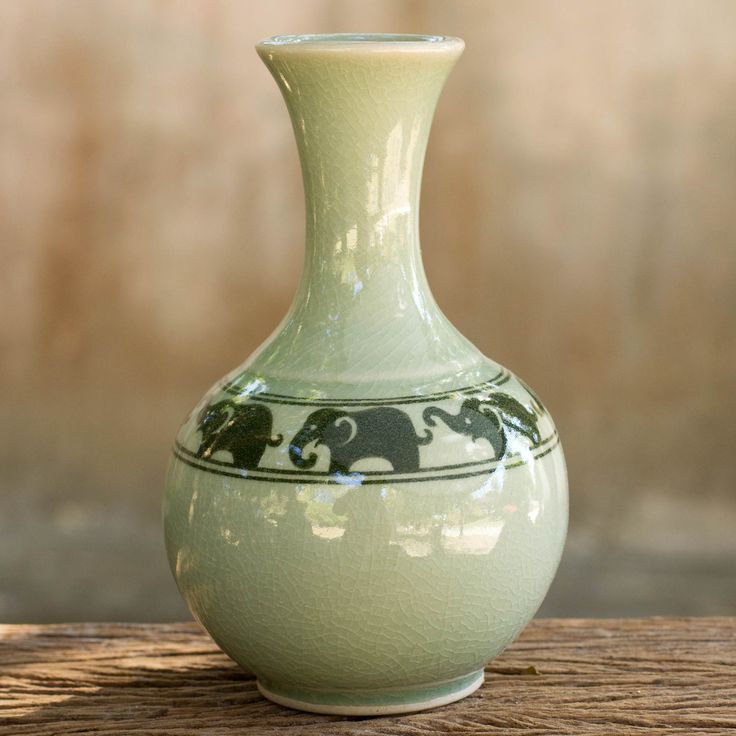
(368, 510)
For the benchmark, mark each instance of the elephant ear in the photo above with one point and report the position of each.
(347, 429)
(515, 416)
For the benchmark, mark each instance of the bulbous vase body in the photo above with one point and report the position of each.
(368, 509)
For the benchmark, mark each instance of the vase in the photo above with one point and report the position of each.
(368, 509)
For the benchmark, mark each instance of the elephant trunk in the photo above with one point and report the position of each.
(431, 412)
(296, 450)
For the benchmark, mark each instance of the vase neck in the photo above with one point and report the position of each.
(361, 108)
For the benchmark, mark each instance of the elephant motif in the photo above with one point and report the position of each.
(490, 419)
(351, 436)
(244, 430)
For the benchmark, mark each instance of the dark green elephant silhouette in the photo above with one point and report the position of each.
(244, 430)
(382, 432)
(490, 419)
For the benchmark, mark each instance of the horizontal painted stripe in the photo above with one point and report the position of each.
(498, 380)
(357, 479)
(320, 473)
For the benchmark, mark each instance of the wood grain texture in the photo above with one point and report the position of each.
(577, 223)
(563, 676)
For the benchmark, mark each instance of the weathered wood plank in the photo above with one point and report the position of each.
(594, 677)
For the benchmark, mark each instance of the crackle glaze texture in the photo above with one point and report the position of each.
(367, 510)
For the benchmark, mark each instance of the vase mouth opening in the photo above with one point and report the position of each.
(356, 42)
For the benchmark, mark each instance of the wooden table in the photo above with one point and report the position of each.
(563, 676)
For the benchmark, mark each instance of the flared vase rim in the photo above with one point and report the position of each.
(361, 42)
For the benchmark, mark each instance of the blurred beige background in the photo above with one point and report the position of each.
(578, 224)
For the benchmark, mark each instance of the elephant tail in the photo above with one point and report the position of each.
(275, 441)
(426, 439)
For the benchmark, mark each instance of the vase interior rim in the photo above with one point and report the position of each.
(395, 41)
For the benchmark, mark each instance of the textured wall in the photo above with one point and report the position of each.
(578, 224)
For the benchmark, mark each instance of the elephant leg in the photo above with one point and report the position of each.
(208, 449)
(256, 455)
(499, 446)
(405, 460)
(247, 458)
(240, 459)
(340, 463)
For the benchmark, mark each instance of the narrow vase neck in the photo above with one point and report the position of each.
(361, 108)
(361, 113)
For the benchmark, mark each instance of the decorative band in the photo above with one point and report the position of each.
(451, 472)
(232, 388)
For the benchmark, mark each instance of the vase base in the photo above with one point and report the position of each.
(373, 702)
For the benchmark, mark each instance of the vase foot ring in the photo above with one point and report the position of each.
(373, 703)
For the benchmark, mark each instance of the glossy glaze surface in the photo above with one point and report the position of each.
(361, 113)
(368, 509)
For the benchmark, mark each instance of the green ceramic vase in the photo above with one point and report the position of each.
(368, 509)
